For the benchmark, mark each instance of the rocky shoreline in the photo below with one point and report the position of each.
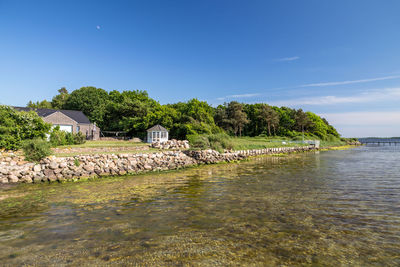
(14, 170)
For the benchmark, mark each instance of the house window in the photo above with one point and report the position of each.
(78, 128)
(162, 134)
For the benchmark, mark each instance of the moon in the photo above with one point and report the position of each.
(98, 27)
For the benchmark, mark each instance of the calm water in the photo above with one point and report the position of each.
(333, 208)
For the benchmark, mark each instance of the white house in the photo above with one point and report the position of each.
(157, 133)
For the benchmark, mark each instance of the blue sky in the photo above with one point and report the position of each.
(339, 59)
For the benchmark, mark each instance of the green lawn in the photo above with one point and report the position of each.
(133, 151)
(107, 143)
(332, 143)
(95, 147)
(243, 143)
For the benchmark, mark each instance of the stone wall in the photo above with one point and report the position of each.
(172, 144)
(13, 169)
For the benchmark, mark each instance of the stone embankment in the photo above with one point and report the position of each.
(172, 144)
(105, 149)
(13, 169)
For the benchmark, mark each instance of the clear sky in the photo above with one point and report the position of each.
(339, 59)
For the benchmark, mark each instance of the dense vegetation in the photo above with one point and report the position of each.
(62, 138)
(16, 127)
(134, 112)
(36, 149)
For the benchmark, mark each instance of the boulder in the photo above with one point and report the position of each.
(37, 168)
(13, 178)
(49, 173)
(53, 165)
(88, 168)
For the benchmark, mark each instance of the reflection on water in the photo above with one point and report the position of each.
(329, 208)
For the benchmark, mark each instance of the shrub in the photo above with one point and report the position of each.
(217, 142)
(62, 138)
(79, 138)
(17, 126)
(36, 149)
(198, 141)
(57, 137)
(69, 139)
(220, 140)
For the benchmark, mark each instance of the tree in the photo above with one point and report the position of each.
(287, 122)
(130, 111)
(16, 126)
(194, 117)
(134, 111)
(317, 127)
(331, 130)
(58, 101)
(237, 117)
(269, 116)
(302, 120)
(91, 101)
(221, 118)
(37, 104)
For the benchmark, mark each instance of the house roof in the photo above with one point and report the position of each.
(76, 115)
(42, 112)
(157, 128)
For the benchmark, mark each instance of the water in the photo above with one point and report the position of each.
(333, 208)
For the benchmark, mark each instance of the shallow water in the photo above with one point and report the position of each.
(333, 208)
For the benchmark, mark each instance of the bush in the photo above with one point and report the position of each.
(58, 137)
(17, 126)
(198, 141)
(69, 139)
(220, 140)
(62, 138)
(217, 142)
(36, 149)
(79, 138)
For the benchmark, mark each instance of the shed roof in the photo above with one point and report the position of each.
(157, 128)
(76, 115)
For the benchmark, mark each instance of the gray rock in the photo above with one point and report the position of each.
(88, 168)
(49, 173)
(13, 178)
(37, 168)
(63, 165)
(53, 165)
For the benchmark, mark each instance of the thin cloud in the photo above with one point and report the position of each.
(350, 82)
(364, 97)
(238, 96)
(288, 58)
(243, 95)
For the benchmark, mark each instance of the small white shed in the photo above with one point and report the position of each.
(157, 133)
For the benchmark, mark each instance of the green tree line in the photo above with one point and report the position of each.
(134, 112)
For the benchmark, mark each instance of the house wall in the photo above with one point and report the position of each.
(58, 118)
(88, 131)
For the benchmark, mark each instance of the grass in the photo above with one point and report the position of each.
(334, 143)
(133, 151)
(106, 143)
(245, 143)
(132, 147)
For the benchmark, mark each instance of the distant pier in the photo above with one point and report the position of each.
(380, 142)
